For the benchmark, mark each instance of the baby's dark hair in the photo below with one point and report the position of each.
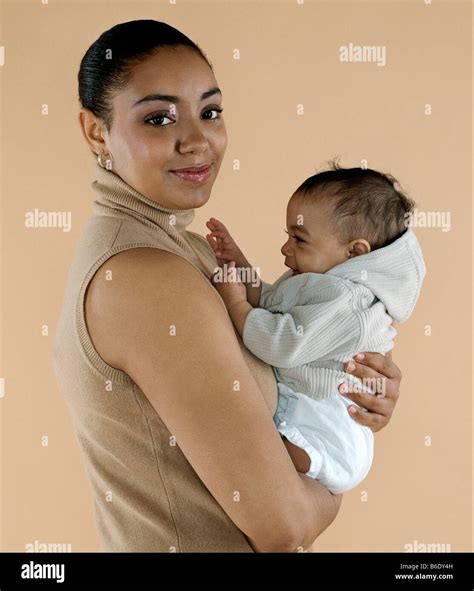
(364, 203)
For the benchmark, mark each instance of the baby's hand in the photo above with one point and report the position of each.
(227, 283)
(223, 244)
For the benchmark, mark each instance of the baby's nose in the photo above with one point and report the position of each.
(286, 249)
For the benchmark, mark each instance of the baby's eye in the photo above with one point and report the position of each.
(295, 237)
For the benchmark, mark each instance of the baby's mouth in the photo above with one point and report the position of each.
(295, 271)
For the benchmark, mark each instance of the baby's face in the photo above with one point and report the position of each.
(312, 244)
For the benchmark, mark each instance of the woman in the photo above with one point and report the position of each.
(172, 413)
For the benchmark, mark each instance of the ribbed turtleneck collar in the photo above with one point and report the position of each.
(114, 192)
(162, 226)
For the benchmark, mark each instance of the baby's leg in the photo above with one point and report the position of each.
(298, 456)
(323, 440)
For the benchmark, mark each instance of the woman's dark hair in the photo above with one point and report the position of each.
(107, 65)
(364, 203)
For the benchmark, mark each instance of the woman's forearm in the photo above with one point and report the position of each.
(321, 508)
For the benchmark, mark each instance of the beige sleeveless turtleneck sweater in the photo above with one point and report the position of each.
(146, 495)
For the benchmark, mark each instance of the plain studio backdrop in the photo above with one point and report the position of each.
(290, 104)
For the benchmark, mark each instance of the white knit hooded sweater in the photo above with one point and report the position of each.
(307, 325)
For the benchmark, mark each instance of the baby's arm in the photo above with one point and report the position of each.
(308, 331)
(226, 250)
(233, 293)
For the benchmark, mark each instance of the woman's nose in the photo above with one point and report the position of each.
(193, 141)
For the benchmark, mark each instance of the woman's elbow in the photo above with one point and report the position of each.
(280, 539)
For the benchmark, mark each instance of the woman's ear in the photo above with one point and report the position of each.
(357, 247)
(92, 130)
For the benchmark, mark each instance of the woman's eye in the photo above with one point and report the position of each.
(215, 110)
(161, 117)
(157, 120)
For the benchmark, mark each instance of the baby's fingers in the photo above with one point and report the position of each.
(215, 224)
(220, 245)
(212, 242)
(224, 236)
(221, 254)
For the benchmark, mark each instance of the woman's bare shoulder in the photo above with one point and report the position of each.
(138, 269)
(156, 259)
(142, 282)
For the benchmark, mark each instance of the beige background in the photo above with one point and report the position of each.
(289, 56)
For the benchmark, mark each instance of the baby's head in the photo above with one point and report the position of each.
(342, 213)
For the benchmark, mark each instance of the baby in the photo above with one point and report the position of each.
(355, 265)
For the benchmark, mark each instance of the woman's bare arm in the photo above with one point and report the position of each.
(200, 385)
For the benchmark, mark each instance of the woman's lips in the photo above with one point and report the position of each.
(194, 175)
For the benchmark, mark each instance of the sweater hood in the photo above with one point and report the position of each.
(394, 273)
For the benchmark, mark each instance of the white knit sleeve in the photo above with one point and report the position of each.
(268, 289)
(303, 334)
(265, 288)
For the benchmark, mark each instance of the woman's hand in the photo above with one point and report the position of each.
(384, 378)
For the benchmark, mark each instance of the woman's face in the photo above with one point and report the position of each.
(154, 136)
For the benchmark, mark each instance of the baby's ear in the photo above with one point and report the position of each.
(358, 247)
